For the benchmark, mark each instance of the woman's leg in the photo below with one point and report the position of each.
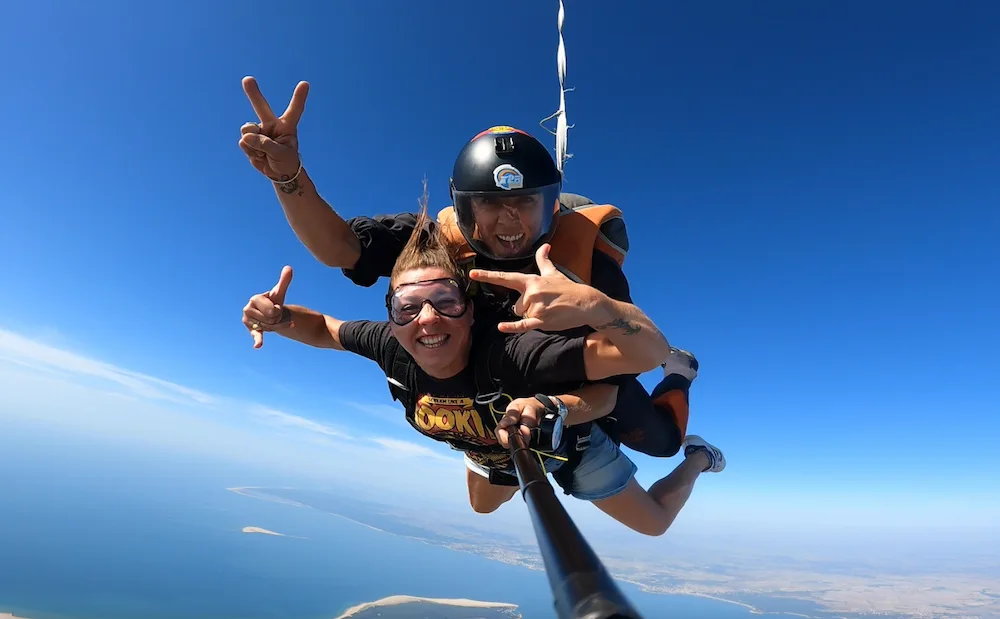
(606, 477)
(651, 512)
(485, 497)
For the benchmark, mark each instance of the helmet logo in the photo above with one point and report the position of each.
(499, 130)
(508, 177)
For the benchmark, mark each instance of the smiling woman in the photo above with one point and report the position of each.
(426, 350)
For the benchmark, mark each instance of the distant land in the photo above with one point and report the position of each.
(798, 586)
(260, 530)
(409, 607)
(263, 532)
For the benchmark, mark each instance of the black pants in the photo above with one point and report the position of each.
(654, 424)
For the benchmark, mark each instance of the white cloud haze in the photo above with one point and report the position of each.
(50, 388)
(47, 387)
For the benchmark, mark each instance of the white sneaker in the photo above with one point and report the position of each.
(693, 443)
(681, 362)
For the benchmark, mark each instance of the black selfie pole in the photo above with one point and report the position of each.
(581, 586)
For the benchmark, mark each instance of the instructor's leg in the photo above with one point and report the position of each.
(671, 397)
(655, 424)
(640, 425)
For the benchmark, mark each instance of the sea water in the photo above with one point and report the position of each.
(91, 533)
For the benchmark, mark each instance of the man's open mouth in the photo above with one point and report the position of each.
(510, 241)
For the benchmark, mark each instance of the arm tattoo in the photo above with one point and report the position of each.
(286, 187)
(624, 325)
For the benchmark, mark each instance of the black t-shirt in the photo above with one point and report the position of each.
(384, 236)
(444, 410)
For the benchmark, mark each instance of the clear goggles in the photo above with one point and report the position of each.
(446, 295)
(477, 214)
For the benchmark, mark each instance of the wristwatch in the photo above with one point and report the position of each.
(552, 423)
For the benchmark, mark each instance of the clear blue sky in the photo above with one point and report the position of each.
(811, 194)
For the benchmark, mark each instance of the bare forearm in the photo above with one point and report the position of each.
(630, 330)
(310, 327)
(589, 402)
(323, 232)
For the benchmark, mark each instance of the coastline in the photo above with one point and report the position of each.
(394, 600)
(753, 610)
(515, 560)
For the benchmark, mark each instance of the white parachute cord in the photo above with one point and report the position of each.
(562, 128)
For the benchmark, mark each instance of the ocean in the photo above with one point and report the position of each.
(87, 535)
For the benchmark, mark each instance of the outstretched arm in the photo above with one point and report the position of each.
(589, 402)
(272, 145)
(309, 327)
(318, 227)
(626, 340)
(267, 312)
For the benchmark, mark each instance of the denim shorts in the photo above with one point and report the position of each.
(603, 471)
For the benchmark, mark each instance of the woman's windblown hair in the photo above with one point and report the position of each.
(426, 249)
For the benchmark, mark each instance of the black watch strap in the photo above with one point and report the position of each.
(550, 406)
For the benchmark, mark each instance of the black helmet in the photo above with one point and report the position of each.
(505, 188)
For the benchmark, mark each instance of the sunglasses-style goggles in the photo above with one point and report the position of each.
(446, 295)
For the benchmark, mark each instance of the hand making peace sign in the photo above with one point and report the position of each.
(549, 301)
(272, 145)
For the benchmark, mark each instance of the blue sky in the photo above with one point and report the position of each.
(810, 193)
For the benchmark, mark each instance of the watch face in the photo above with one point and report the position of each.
(557, 431)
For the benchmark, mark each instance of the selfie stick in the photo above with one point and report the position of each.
(581, 586)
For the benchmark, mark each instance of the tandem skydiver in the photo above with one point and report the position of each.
(507, 202)
(469, 387)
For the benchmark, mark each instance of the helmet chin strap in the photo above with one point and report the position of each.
(562, 128)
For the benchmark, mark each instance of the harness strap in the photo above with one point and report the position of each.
(564, 474)
(487, 367)
(402, 374)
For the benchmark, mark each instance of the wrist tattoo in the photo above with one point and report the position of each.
(287, 187)
(620, 323)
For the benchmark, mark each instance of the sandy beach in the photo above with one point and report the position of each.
(393, 600)
(260, 530)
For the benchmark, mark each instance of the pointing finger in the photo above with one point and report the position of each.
(258, 337)
(520, 326)
(297, 105)
(257, 100)
(514, 281)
